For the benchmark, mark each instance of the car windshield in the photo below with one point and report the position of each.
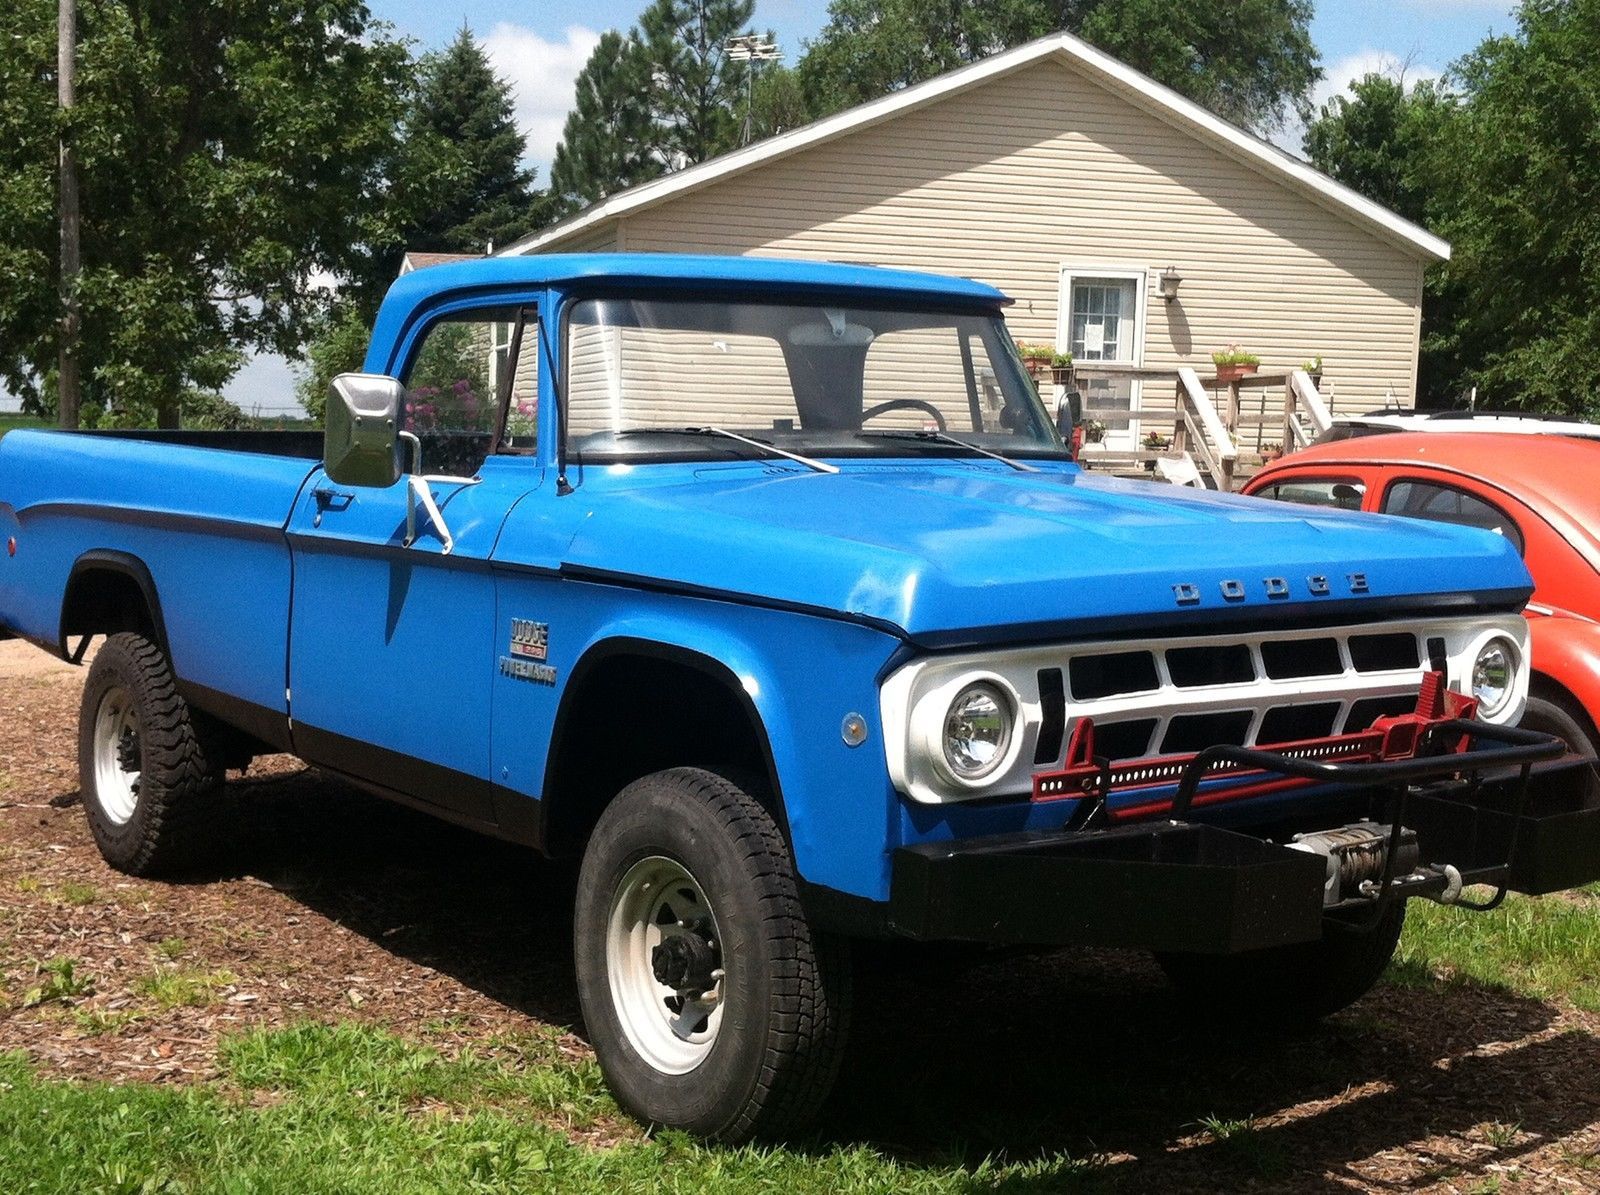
(669, 377)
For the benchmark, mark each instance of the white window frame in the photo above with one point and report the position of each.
(1073, 271)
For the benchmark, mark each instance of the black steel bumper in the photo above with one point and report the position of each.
(1522, 817)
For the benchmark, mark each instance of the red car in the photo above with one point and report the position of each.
(1541, 492)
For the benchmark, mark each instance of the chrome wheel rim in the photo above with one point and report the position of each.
(660, 916)
(118, 756)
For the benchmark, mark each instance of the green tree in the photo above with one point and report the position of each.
(780, 102)
(1503, 161)
(1380, 139)
(228, 151)
(696, 91)
(664, 96)
(462, 103)
(1516, 190)
(1247, 60)
(338, 345)
(456, 178)
(608, 142)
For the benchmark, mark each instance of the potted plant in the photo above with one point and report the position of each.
(1036, 357)
(1154, 442)
(1234, 363)
(1093, 431)
(1314, 368)
(1061, 368)
(1271, 450)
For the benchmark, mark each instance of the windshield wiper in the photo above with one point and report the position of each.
(943, 438)
(762, 445)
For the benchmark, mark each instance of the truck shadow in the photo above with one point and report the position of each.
(956, 1059)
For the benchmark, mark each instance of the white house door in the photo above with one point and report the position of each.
(1102, 324)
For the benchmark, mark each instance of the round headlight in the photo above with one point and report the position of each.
(977, 731)
(1494, 674)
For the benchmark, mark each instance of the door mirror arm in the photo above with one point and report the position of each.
(419, 491)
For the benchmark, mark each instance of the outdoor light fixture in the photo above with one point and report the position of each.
(1169, 283)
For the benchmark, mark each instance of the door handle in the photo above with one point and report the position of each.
(330, 497)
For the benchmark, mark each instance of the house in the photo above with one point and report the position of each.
(1083, 189)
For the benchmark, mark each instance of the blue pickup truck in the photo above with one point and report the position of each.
(769, 590)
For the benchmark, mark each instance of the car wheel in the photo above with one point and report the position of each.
(146, 777)
(1288, 986)
(1559, 716)
(712, 1005)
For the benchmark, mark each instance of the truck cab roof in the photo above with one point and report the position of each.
(418, 290)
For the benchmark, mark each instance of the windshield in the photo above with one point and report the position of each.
(651, 377)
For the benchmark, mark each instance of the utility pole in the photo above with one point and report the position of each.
(68, 396)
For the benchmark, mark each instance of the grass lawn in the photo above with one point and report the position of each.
(10, 421)
(349, 1107)
(318, 1108)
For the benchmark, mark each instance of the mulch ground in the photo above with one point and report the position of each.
(322, 903)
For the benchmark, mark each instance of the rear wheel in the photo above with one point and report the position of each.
(146, 776)
(1288, 986)
(711, 1004)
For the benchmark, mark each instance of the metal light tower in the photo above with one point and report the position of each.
(751, 48)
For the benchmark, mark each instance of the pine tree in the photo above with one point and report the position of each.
(697, 91)
(464, 104)
(609, 142)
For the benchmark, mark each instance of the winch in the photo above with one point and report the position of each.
(1356, 856)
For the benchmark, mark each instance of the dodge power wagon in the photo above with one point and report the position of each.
(769, 591)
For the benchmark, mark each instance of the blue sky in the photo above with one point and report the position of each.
(541, 47)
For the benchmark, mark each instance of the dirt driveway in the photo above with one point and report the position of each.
(323, 903)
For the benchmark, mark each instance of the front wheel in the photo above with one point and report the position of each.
(711, 1004)
(1563, 718)
(1288, 986)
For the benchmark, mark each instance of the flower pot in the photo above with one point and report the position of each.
(1061, 375)
(1232, 373)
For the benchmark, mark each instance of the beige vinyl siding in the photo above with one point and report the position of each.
(1009, 181)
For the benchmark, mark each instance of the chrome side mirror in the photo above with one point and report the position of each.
(361, 443)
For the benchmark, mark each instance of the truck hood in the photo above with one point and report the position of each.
(957, 553)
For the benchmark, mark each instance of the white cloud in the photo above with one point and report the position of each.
(541, 73)
(1338, 78)
(1340, 75)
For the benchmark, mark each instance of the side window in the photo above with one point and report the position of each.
(1447, 504)
(1318, 491)
(463, 369)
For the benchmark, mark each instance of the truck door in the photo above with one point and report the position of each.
(392, 644)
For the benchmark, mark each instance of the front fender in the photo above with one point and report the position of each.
(1566, 649)
(800, 676)
(797, 675)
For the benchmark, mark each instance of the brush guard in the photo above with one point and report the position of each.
(1460, 803)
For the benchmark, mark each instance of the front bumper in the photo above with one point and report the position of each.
(1510, 816)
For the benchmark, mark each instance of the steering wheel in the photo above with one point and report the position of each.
(903, 404)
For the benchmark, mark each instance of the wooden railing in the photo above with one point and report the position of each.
(1211, 431)
(1200, 431)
